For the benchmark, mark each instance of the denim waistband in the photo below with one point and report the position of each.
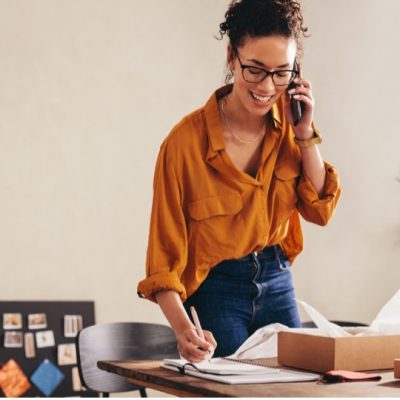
(267, 253)
(270, 260)
(270, 253)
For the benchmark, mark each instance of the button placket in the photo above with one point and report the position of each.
(263, 213)
(256, 269)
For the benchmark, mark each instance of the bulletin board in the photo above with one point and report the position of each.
(55, 312)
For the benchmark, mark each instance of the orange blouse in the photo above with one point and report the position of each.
(205, 210)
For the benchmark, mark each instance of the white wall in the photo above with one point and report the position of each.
(89, 89)
(351, 268)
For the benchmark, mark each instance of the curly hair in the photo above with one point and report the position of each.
(257, 18)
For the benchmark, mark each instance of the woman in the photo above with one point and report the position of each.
(230, 182)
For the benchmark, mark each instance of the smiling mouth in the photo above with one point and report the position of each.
(261, 99)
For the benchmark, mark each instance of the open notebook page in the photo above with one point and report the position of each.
(221, 366)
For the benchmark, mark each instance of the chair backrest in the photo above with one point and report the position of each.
(120, 341)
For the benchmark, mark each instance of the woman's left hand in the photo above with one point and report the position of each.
(302, 92)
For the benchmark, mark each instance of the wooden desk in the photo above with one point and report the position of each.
(150, 375)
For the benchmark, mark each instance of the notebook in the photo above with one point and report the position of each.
(231, 371)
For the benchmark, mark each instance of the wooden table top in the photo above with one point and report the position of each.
(150, 375)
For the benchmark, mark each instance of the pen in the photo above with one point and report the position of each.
(199, 329)
(197, 322)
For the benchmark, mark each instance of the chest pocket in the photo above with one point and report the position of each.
(215, 226)
(287, 175)
(215, 206)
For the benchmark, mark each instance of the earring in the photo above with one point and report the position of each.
(231, 74)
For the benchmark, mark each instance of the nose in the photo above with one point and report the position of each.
(267, 85)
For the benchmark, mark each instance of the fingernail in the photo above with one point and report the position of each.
(291, 91)
(296, 96)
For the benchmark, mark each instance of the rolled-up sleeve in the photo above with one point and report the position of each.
(315, 208)
(167, 245)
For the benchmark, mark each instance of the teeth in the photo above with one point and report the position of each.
(260, 98)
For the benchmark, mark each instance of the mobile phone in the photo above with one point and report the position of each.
(295, 105)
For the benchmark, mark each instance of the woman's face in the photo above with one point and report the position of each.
(271, 53)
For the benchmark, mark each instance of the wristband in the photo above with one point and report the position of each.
(316, 139)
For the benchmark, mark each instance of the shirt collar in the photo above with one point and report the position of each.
(214, 123)
(213, 120)
(276, 116)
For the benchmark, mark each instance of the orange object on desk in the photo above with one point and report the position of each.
(348, 376)
(13, 381)
(397, 368)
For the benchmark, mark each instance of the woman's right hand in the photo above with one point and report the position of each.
(193, 348)
(190, 345)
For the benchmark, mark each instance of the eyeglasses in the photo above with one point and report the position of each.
(282, 77)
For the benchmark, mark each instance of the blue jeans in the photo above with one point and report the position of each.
(242, 295)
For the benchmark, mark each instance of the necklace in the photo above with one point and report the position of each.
(238, 138)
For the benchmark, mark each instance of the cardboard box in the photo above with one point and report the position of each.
(321, 354)
(397, 368)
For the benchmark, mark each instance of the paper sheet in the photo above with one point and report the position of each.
(13, 381)
(327, 327)
(47, 377)
(388, 318)
(261, 344)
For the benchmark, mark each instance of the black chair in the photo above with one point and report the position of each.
(120, 341)
(310, 324)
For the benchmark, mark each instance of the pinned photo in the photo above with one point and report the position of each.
(29, 345)
(76, 381)
(45, 339)
(72, 325)
(13, 339)
(66, 354)
(12, 321)
(37, 321)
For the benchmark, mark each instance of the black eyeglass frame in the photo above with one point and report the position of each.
(267, 73)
